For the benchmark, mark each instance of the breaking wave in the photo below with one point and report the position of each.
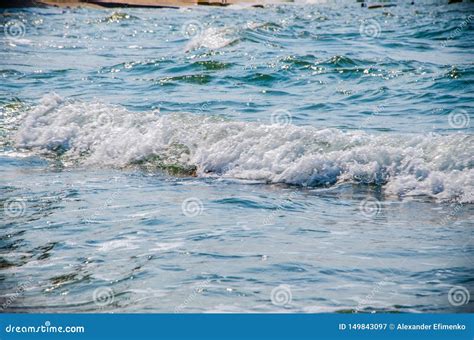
(102, 135)
(212, 38)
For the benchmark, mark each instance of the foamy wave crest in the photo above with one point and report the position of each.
(105, 135)
(212, 38)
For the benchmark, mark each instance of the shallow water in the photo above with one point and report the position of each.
(296, 158)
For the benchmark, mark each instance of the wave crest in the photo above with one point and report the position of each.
(97, 134)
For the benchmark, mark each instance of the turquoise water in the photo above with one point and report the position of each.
(295, 158)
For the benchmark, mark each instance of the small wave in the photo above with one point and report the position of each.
(118, 17)
(198, 79)
(212, 38)
(440, 166)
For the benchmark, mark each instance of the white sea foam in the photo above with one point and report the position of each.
(212, 38)
(95, 134)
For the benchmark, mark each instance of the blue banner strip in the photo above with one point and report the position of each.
(237, 326)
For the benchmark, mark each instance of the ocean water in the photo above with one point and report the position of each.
(311, 157)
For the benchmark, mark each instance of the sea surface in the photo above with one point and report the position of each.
(303, 157)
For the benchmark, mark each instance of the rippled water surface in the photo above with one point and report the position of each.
(292, 158)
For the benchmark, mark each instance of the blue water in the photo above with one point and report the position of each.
(293, 158)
